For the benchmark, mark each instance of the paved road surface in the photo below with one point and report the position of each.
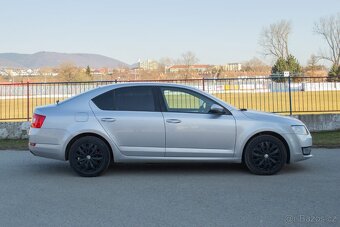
(41, 192)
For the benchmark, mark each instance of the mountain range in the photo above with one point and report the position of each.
(54, 59)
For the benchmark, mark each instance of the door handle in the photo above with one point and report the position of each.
(174, 121)
(108, 119)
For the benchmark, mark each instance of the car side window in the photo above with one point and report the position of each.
(105, 100)
(134, 99)
(186, 101)
(137, 98)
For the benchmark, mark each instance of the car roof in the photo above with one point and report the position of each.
(99, 90)
(131, 84)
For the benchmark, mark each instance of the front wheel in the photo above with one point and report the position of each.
(265, 155)
(89, 156)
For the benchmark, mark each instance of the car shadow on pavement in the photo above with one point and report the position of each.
(51, 169)
(177, 168)
(194, 168)
(63, 168)
(295, 168)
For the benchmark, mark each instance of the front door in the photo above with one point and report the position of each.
(191, 130)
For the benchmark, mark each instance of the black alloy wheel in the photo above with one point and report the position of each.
(89, 156)
(265, 155)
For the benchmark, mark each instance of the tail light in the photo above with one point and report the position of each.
(37, 120)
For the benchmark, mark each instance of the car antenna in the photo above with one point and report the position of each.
(57, 101)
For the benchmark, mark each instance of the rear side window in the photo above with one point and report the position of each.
(127, 99)
(104, 101)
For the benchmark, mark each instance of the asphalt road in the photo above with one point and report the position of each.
(40, 192)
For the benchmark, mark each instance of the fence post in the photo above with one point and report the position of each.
(28, 100)
(290, 95)
(203, 84)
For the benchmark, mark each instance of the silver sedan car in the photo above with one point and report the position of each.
(156, 122)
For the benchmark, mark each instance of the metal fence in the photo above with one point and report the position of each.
(279, 95)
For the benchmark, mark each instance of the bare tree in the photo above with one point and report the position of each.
(274, 39)
(313, 68)
(255, 65)
(329, 29)
(312, 61)
(166, 61)
(69, 72)
(189, 59)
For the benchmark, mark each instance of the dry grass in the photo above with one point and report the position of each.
(17, 144)
(326, 139)
(18, 108)
(302, 102)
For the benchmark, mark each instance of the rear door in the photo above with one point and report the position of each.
(132, 118)
(191, 130)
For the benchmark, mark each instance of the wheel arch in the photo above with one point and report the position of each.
(67, 150)
(271, 133)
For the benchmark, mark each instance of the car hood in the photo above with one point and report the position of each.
(270, 117)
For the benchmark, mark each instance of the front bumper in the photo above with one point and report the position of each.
(300, 147)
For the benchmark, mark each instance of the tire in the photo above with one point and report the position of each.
(89, 156)
(265, 155)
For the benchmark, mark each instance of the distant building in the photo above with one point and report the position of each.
(99, 72)
(146, 65)
(181, 68)
(96, 72)
(232, 67)
(20, 72)
(3, 72)
(50, 74)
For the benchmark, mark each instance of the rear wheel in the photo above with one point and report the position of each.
(89, 156)
(265, 155)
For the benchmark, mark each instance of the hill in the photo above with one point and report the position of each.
(54, 59)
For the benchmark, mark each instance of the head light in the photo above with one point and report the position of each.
(300, 129)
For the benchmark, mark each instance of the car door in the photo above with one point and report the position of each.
(132, 118)
(191, 130)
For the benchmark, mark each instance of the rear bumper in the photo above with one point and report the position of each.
(47, 143)
(47, 151)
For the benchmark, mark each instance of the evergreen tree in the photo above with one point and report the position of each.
(280, 66)
(290, 64)
(293, 65)
(334, 73)
(88, 71)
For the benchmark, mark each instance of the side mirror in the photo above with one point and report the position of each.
(216, 109)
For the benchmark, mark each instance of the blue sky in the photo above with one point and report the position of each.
(217, 31)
